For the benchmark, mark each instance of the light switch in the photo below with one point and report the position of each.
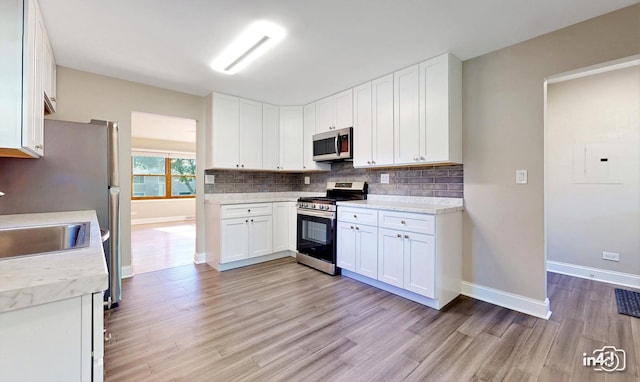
(384, 178)
(209, 179)
(307, 180)
(521, 176)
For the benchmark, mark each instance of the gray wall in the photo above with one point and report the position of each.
(441, 181)
(503, 129)
(587, 212)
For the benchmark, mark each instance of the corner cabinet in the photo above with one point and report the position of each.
(249, 233)
(417, 256)
(28, 74)
(57, 341)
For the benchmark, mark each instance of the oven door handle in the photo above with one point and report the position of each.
(328, 215)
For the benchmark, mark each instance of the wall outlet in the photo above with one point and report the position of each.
(209, 179)
(307, 180)
(611, 256)
(384, 178)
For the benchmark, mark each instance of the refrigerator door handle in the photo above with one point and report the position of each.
(114, 172)
(115, 271)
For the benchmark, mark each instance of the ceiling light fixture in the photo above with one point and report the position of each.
(251, 44)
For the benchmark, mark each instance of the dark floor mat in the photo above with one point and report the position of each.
(628, 302)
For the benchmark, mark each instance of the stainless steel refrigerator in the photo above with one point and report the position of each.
(79, 171)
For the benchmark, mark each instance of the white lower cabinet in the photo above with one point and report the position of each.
(244, 234)
(415, 255)
(247, 237)
(57, 341)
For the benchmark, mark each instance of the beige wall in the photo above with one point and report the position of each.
(503, 130)
(154, 211)
(82, 96)
(594, 206)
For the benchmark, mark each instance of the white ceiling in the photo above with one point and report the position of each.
(331, 44)
(154, 126)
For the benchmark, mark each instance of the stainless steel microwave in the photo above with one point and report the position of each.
(336, 145)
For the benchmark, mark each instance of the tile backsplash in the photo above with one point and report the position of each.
(438, 181)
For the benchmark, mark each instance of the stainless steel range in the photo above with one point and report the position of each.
(316, 241)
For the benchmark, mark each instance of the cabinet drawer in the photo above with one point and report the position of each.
(358, 215)
(406, 221)
(244, 210)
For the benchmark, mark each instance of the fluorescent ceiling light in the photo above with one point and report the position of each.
(251, 44)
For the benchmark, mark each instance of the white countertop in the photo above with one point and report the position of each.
(35, 280)
(425, 205)
(258, 197)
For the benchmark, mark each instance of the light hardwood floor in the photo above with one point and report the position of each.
(162, 245)
(281, 321)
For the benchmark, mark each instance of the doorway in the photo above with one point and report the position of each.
(163, 179)
(592, 173)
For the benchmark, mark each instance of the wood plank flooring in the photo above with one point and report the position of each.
(281, 321)
(162, 245)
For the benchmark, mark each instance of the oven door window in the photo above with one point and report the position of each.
(315, 237)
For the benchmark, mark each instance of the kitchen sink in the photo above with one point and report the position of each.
(41, 239)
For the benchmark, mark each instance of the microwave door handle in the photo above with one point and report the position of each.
(338, 144)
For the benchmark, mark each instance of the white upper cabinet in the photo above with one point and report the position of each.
(250, 122)
(309, 126)
(362, 129)
(270, 137)
(441, 110)
(291, 135)
(27, 73)
(406, 115)
(335, 112)
(382, 121)
(224, 151)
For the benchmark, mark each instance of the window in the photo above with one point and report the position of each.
(162, 177)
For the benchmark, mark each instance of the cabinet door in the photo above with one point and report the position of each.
(382, 120)
(33, 126)
(324, 115)
(419, 263)
(367, 251)
(343, 109)
(250, 121)
(225, 137)
(362, 127)
(391, 257)
(406, 115)
(346, 251)
(44, 342)
(11, 72)
(291, 135)
(435, 109)
(260, 236)
(281, 226)
(270, 137)
(234, 235)
(309, 126)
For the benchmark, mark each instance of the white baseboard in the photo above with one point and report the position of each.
(199, 258)
(164, 219)
(250, 261)
(127, 271)
(508, 300)
(611, 277)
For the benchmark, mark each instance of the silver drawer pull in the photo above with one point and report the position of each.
(355, 216)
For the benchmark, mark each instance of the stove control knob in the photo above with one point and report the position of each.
(322, 208)
(313, 206)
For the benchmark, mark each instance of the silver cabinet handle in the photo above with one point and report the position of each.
(237, 165)
(368, 162)
(251, 220)
(246, 221)
(351, 227)
(406, 236)
(242, 166)
(249, 210)
(38, 147)
(403, 222)
(421, 158)
(373, 162)
(358, 228)
(399, 235)
(355, 216)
